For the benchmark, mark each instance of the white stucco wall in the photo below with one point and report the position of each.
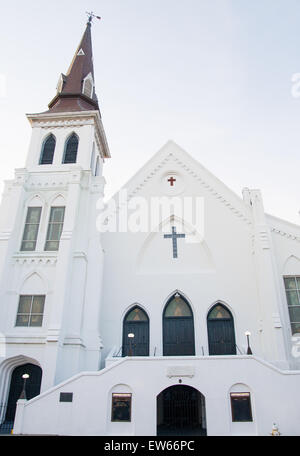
(273, 396)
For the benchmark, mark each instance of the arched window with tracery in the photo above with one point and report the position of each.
(71, 148)
(47, 152)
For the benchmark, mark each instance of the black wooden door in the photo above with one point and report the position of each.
(178, 336)
(221, 337)
(140, 342)
(33, 386)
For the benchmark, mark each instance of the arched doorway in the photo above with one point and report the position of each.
(220, 328)
(136, 322)
(181, 411)
(178, 328)
(33, 386)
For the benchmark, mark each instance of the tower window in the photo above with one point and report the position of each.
(71, 147)
(30, 310)
(48, 151)
(55, 228)
(31, 228)
(88, 85)
(88, 88)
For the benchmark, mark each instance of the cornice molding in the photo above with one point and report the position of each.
(34, 259)
(209, 188)
(289, 236)
(73, 119)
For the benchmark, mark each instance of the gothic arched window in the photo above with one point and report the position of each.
(220, 328)
(71, 147)
(178, 328)
(47, 153)
(136, 322)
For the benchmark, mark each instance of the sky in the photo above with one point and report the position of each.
(215, 76)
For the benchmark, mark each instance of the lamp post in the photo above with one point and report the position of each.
(248, 334)
(23, 393)
(130, 337)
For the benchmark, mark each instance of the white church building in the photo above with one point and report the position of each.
(173, 309)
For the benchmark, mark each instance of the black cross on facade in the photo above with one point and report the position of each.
(174, 236)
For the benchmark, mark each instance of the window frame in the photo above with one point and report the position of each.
(47, 240)
(65, 149)
(30, 314)
(37, 230)
(241, 394)
(297, 290)
(120, 395)
(51, 135)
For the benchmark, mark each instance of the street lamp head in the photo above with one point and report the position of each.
(131, 335)
(247, 333)
(25, 376)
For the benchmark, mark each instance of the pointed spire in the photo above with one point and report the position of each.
(75, 90)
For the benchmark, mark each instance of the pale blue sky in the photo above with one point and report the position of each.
(213, 75)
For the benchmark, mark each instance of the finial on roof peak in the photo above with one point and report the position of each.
(91, 16)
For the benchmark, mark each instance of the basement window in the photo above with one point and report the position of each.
(121, 407)
(241, 407)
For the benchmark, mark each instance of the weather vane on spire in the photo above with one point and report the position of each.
(91, 16)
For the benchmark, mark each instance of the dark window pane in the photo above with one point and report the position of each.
(292, 297)
(52, 246)
(55, 228)
(57, 214)
(22, 320)
(295, 328)
(54, 231)
(71, 149)
(121, 407)
(31, 228)
(33, 215)
(48, 151)
(38, 304)
(241, 407)
(24, 304)
(28, 246)
(36, 320)
(294, 314)
(30, 232)
(290, 283)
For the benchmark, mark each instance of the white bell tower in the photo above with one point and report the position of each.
(51, 256)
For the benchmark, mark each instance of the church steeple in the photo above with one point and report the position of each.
(75, 90)
(74, 107)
